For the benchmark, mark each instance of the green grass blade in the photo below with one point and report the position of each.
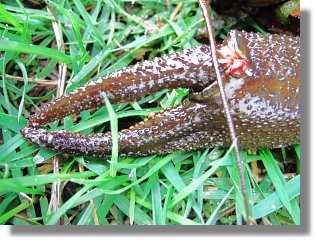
(10, 19)
(273, 202)
(5, 217)
(9, 147)
(216, 210)
(175, 179)
(180, 219)
(54, 217)
(36, 180)
(11, 122)
(152, 170)
(90, 25)
(4, 83)
(43, 203)
(5, 203)
(24, 74)
(132, 205)
(114, 133)
(141, 218)
(19, 47)
(157, 203)
(276, 177)
(191, 187)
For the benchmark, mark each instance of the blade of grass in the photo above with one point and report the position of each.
(148, 186)
(7, 187)
(121, 11)
(90, 25)
(36, 180)
(97, 120)
(175, 179)
(9, 147)
(199, 168)
(132, 205)
(180, 219)
(297, 149)
(76, 29)
(8, 16)
(5, 217)
(43, 203)
(141, 218)
(192, 186)
(11, 122)
(114, 132)
(167, 200)
(157, 202)
(216, 210)
(7, 45)
(273, 202)
(7, 200)
(24, 74)
(152, 170)
(136, 163)
(4, 83)
(276, 177)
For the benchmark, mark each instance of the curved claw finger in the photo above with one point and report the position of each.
(190, 68)
(159, 130)
(71, 143)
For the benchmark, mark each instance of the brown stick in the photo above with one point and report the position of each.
(205, 11)
(62, 70)
(33, 80)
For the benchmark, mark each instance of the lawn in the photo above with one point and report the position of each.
(49, 48)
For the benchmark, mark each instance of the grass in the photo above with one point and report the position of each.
(98, 37)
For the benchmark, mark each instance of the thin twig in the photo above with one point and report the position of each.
(92, 205)
(62, 67)
(62, 70)
(173, 15)
(167, 3)
(26, 197)
(206, 11)
(33, 80)
(175, 12)
(94, 213)
(227, 211)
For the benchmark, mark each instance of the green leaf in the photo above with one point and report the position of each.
(273, 202)
(8, 45)
(276, 177)
(10, 19)
(5, 217)
(114, 132)
(157, 202)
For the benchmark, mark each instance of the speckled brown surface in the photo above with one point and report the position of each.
(190, 68)
(264, 101)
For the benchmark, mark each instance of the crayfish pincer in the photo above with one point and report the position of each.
(261, 80)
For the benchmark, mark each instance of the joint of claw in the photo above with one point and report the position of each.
(233, 59)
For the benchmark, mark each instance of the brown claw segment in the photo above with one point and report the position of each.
(147, 137)
(190, 69)
(263, 96)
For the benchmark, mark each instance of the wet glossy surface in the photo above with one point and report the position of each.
(264, 101)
